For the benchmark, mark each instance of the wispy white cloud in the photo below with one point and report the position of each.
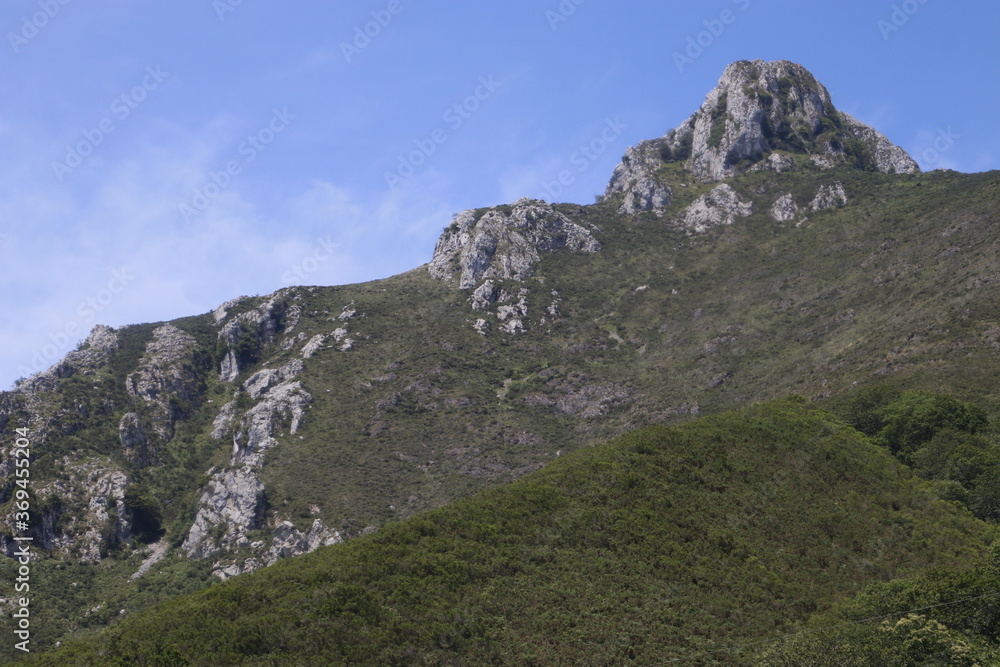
(123, 254)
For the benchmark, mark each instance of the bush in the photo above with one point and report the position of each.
(719, 119)
(984, 499)
(917, 416)
(863, 410)
(953, 454)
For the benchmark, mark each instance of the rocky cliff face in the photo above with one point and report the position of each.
(636, 180)
(758, 114)
(167, 379)
(505, 242)
(486, 248)
(233, 503)
(721, 206)
(245, 334)
(761, 107)
(84, 512)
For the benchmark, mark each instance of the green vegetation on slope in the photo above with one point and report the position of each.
(945, 440)
(665, 543)
(945, 616)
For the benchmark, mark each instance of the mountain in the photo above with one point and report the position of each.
(769, 245)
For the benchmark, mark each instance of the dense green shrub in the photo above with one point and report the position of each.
(916, 416)
(719, 120)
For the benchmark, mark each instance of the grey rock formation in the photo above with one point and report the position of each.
(505, 242)
(90, 515)
(511, 308)
(759, 108)
(222, 312)
(785, 208)
(821, 161)
(106, 505)
(553, 308)
(251, 330)
(134, 441)
(156, 553)
(887, 157)
(316, 343)
(286, 401)
(313, 346)
(166, 378)
(635, 178)
(829, 196)
(776, 162)
(231, 505)
(721, 206)
(288, 541)
(259, 383)
(91, 356)
(224, 420)
(513, 313)
(232, 502)
(484, 296)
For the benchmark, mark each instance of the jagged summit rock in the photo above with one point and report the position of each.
(757, 114)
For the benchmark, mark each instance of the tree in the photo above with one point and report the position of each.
(917, 416)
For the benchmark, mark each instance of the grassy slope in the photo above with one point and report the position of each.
(665, 543)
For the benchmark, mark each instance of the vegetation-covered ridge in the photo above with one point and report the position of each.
(664, 543)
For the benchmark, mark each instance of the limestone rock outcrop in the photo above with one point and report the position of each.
(134, 441)
(785, 208)
(230, 506)
(92, 355)
(233, 502)
(635, 177)
(759, 110)
(288, 541)
(84, 512)
(285, 402)
(166, 378)
(246, 333)
(505, 242)
(829, 196)
(721, 206)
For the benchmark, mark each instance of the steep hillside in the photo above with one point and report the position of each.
(818, 259)
(668, 543)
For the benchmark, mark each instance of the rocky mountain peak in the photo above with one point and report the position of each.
(757, 114)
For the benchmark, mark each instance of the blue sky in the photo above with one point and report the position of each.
(160, 158)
